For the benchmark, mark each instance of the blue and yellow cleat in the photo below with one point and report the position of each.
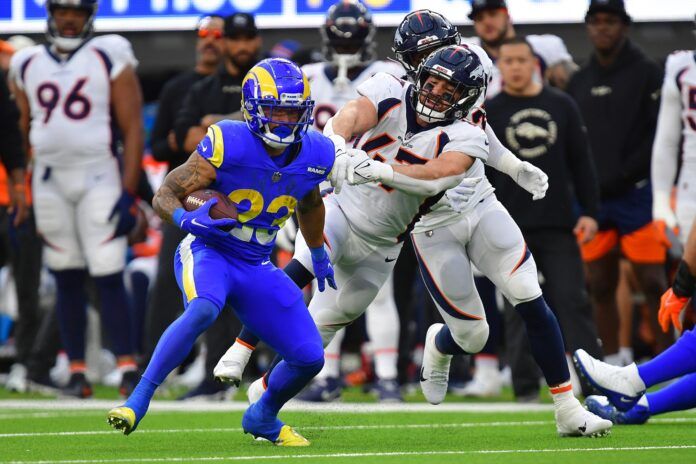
(122, 418)
(262, 425)
(600, 405)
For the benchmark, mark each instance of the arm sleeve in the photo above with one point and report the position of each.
(636, 160)
(580, 162)
(381, 87)
(120, 52)
(665, 150)
(497, 152)
(164, 122)
(468, 139)
(11, 153)
(190, 113)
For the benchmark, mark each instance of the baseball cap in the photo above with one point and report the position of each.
(240, 24)
(616, 7)
(478, 6)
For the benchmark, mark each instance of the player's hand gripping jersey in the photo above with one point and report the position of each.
(267, 194)
(70, 98)
(383, 214)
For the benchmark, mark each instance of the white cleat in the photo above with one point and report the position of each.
(621, 385)
(230, 367)
(486, 383)
(17, 379)
(572, 420)
(434, 374)
(256, 390)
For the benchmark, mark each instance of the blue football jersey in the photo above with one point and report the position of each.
(248, 175)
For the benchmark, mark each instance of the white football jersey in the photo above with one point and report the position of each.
(378, 212)
(550, 49)
(70, 98)
(329, 97)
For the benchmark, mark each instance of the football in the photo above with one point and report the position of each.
(223, 209)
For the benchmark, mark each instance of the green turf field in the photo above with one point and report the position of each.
(73, 434)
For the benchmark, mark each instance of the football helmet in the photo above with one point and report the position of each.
(348, 34)
(418, 35)
(457, 65)
(277, 85)
(72, 42)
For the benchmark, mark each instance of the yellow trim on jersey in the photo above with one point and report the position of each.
(215, 134)
(266, 82)
(307, 90)
(186, 256)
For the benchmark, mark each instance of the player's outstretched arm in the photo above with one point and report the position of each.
(310, 215)
(196, 173)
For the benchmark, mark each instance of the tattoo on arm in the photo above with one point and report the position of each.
(194, 174)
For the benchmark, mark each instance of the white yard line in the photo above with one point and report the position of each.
(365, 408)
(676, 420)
(367, 455)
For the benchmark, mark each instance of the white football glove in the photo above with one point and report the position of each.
(532, 179)
(662, 211)
(459, 196)
(363, 169)
(339, 172)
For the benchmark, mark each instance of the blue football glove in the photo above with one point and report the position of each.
(199, 223)
(323, 270)
(125, 209)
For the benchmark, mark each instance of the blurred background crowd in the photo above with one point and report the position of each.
(605, 253)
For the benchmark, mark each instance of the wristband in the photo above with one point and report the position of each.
(318, 253)
(177, 214)
(684, 282)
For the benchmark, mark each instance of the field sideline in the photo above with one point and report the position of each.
(76, 432)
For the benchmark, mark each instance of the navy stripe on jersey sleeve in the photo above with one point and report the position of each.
(385, 105)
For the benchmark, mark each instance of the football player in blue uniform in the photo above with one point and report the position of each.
(270, 167)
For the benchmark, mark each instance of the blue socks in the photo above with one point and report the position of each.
(71, 311)
(115, 312)
(678, 396)
(173, 347)
(445, 344)
(545, 339)
(676, 361)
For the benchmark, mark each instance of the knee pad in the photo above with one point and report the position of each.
(309, 357)
(471, 336)
(523, 284)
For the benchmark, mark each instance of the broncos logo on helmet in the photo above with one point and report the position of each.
(276, 102)
(70, 43)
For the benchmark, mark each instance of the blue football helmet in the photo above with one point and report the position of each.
(70, 43)
(277, 85)
(459, 66)
(418, 35)
(348, 34)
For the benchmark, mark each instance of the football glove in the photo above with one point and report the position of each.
(339, 172)
(532, 179)
(125, 209)
(363, 169)
(459, 196)
(199, 223)
(671, 307)
(323, 270)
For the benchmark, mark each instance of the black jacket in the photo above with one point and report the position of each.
(547, 131)
(170, 102)
(619, 104)
(219, 93)
(11, 152)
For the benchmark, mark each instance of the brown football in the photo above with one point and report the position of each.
(223, 209)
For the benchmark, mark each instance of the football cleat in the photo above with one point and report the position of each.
(485, 384)
(388, 391)
(262, 425)
(572, 420)
(600, 405)
(123, 419)
(289, 437)
(622, 386)
(256, 390)
(322, 391)
(78, 386)
(434, 373)
(230, 367)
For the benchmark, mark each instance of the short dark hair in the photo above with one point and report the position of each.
(518, 41)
